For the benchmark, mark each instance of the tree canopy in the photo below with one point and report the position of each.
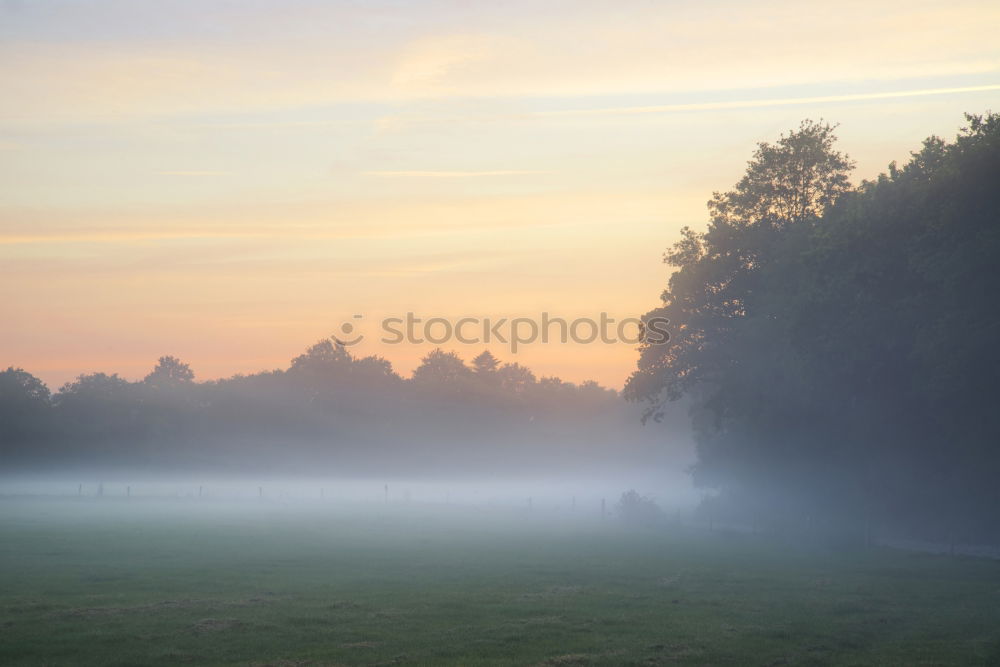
(329, 410)
(840, 344)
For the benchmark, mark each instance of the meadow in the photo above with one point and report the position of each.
(143, 582)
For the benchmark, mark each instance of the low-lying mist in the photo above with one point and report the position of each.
(562, 493)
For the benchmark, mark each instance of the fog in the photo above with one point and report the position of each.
(561, 493)
(574, 472)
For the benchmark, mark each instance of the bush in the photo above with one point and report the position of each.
(639, 510)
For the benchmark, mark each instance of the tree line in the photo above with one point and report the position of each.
(329, 412)
(840, 345)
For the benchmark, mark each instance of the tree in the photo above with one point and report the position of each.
(170, 373)
(24, 408)
(798, 178)
(714, 288)
(638, 509)
(837, 345)
(374, 370)
(99, 407)
(322, 358)
(442, 370)
(485, 364)
(730, 326)
(20, 388)
(515, 378)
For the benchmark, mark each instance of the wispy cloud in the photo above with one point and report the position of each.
(112, 237)
(419, 173)
(192, 172)
(654, 48)
(772, 102)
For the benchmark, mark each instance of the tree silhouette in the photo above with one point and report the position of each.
(485, 364)
(835, 344)
(515, 378)
(24, 409)
(442, 370)
(169, 373)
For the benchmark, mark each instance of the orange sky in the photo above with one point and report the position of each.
(229, 183)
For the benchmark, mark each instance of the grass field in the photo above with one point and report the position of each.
(112, 582)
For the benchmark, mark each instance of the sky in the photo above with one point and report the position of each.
(229, 182)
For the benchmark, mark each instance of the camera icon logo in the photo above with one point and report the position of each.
(346, 329)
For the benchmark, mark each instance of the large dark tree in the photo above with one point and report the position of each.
(840, 345)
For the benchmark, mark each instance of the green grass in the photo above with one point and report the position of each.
(140, 583)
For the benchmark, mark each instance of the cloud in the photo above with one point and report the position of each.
(428, 65)
(773, 102)
(403, 220)
(193, 173)
(656, 48)
(453, 174)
